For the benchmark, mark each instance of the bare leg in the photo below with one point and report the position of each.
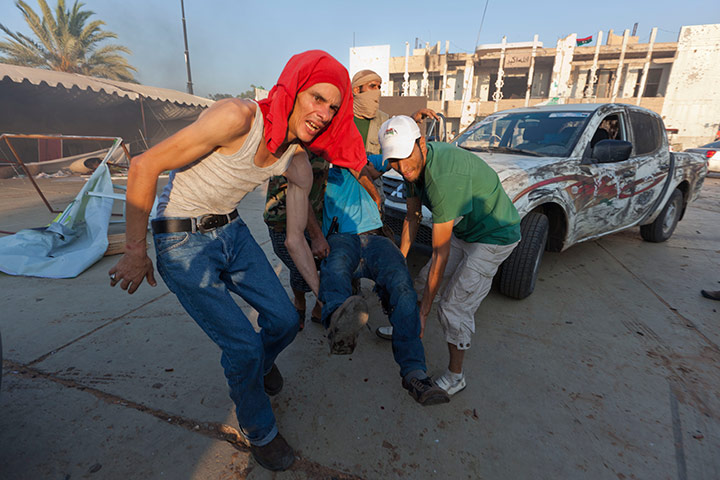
(317, 310)
(299, 299)
(456, 358)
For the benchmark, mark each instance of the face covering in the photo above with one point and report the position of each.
(340, 142)
(366, 104)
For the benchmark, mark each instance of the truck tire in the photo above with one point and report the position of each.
(664, 225)
(519, 271)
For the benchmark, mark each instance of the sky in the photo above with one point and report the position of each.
(235, 43)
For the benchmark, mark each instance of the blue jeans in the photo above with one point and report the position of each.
(202, 269)
(378, 259)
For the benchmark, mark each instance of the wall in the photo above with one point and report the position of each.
(692, 101)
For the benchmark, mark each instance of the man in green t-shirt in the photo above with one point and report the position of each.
(475, 228)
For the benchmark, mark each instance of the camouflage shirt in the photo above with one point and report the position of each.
(275, 214)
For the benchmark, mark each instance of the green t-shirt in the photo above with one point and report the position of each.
(457, 184)
(363, 126)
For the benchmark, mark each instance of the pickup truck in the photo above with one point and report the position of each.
(575, 173)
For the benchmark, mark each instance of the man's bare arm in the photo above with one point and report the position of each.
(373, 172)
(299, 177)
(424, 113)
(220, 125)
(366, 181)
(441, 236)
(318, 243)
(410, 224)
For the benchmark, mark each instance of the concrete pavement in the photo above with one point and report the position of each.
(611, 369)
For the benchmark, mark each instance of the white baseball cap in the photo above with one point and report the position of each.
(397, 137)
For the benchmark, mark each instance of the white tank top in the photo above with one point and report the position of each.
(216, 183)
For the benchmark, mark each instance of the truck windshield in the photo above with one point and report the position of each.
(547, 134)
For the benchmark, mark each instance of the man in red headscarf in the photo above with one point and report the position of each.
(205, 251)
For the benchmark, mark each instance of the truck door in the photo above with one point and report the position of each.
(651, 161)
(603, 201)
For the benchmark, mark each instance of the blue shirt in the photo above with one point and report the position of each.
(347, 200)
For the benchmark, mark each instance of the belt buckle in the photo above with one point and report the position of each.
(207, 223)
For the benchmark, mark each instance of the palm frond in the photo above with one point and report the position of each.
(67, 40)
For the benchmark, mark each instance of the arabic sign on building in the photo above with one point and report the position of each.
(518, 59)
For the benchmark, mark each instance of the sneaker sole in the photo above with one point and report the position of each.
(435, 397)
(457, 388)
(286, 462)
(345, 325)
(380, 332)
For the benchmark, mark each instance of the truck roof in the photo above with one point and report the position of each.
(570, 107)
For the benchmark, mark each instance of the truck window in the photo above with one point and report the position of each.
(552, 133)
(647, 136)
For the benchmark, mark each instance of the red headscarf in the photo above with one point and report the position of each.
(340, 142)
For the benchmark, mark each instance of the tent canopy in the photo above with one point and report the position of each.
(48, 102)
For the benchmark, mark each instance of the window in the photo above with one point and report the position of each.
(552, 133)
(514, 86)
(603, 85)
(652, 83)
(435, 88)
(646, 132)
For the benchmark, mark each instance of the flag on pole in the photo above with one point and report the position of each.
(584, 41)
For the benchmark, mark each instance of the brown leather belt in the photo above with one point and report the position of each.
(202, 224)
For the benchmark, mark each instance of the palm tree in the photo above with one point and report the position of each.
(65, 42)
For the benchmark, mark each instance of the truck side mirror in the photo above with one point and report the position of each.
(611, 151)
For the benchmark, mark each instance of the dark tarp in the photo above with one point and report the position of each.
(37, 101)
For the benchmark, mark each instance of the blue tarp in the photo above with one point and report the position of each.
(74, 241)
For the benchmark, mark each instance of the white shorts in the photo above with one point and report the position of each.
(467, 280)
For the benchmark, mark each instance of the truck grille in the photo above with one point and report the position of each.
(394, 219)
(394, 189)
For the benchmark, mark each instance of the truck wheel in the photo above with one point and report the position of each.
(519, 271)
(664, 225)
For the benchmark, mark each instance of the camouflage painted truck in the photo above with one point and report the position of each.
(575, 173)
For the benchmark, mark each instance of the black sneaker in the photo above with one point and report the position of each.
(345, 324)
(276, 455)
(273, 381)
(425, 391)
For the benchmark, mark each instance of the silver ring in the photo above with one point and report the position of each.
(112, 277)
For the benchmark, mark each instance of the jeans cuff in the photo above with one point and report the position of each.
(266, 439)
(417, 373)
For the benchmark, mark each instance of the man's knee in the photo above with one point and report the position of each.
(458, 326)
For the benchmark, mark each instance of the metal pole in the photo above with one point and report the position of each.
(187, 52)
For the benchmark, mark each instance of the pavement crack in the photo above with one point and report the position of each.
(94, 330)
(213, 430)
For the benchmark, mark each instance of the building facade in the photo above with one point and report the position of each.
(679, 80)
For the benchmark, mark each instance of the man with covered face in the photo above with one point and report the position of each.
(366, 108)
(205, 251)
